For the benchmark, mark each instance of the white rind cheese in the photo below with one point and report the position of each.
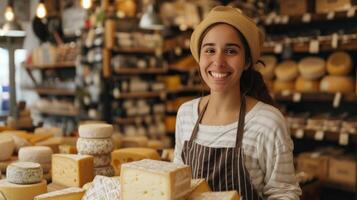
(153, 180)
(101, 160)
(229, 195)
(94, 146)
(103, 188)
(104, 171)
(95, 130)
(37, 154)
(7, 145)
(24, 173)
(65, 194)
(22, 192)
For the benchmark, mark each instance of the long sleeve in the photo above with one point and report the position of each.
(178, 139)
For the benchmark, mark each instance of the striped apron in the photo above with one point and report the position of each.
(223, 168)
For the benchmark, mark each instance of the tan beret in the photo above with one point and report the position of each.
(235, 18)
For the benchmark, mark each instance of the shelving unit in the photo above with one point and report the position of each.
(52, 91)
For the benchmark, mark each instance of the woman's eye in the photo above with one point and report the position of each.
(231, 51)
(209, 50)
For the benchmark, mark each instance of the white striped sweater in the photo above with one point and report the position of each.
(266, 142)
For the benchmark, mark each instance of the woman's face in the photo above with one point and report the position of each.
(222, 58)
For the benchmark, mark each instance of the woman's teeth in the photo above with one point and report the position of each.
(219, 75)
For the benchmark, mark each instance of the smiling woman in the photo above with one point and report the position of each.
(234, 137)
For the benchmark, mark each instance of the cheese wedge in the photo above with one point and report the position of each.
(72, 193)
(103, 188)
(199, 186)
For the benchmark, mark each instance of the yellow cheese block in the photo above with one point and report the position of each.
(267, 71)
(126, 155)
(333, 84)
(312, 68)
(153, 180)
(22, 192)
(339, 63)
(72, 193)
(283, 85)
(135, 141)
(287, 71)
(305, 85)
(230, 195)
(199, 186)
(72, 170)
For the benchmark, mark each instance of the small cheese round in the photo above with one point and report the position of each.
(283, 85)
(339, 63)
(22, 192)
(94, 146)
(95, 130)
(287, 71)
(104, 171)
(333, 84)
(101, 160)
(312, 68)
(305, 85)
(7, 145)
(267, 71)
(24, 173)
(37, 154)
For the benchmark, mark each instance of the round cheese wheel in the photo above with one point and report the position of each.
(101, 160)
(305, 85)
(95, 130)
(94, 146)
(267, 71)
(19, 141)
(339, 63)
(312, 68)
(7, 145)
(287, 71)
(104, 171)
(333, 84)
(22, 192)
(37, 154)
(283, 85)
(24, 173)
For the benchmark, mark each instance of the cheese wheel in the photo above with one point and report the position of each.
(312, 68)
(19, 141)
(287, 71)
(339, 63)
(305, 85)
(7, 145)
(37, 154)
(104, 171)
(24, 173)
(101, 160)
(267, 71)
(95, 130)
(333, 84)
(22, 192)
(283, 85)
(94, 146)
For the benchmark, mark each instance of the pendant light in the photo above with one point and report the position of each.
(150, 20)
(86, 4)
(11, 28)
(41, 11)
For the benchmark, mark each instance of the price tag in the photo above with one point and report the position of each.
(314, 46)
(299, 133)
(337, 100)
(306, 18)
(334, 41)
(178, 51)
(285, 19)
(116, 92)
(297, 97)
(351, 12)
(319, 135)
(285, 93)
(277, 19)
(278, 48)
(330, 15)
(343, 139)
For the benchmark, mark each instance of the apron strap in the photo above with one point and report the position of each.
(240, 128)
(200, 116)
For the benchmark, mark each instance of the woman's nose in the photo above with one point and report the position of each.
(219, 59)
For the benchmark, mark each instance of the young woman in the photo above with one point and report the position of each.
(234, 137)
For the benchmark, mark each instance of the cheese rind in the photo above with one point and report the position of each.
(7, 145)
(95, 130)
(333, 84)
(312, 68)
(37, 154)
(103, 188)
(339, 63)
(24, 173)
(229, 195)
(104, 171)
(286, 71)
(152, 180)
(22, 192)
(71, 193)
(199, 186)
(101, 160)
(94, 146)
(19, 141)
(72, 170)
(305, 85)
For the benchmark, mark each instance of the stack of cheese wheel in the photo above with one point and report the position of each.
(23, 181)
(267, 71)
(38, 154)
(311, 70)
(95, 140)
(339, 65)
(286, 73)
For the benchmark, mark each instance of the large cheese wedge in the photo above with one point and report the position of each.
(287, 71)
(339, 63)
(94, 146)
(37, 154)
(54, 187)
(103, 188)
(305, 85)
(283, 85)
(53, 143)
(135, 141)
(199, 186)
(72, 193)
(333, 84)
(230, 195)
(22, 192)
(125, 155)
(95, 130)
(7, 145)
(72, 170)
(104, 171)
(24, 173)
(312, 68)
(267, 71)
(53, 131)
(153, 180)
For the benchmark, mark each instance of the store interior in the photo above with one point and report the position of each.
(128, 63)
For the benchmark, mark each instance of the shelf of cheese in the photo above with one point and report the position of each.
(342, 139)
(52, 91)
(50, 66)
(150, 94)
(134, 71)
(136, 119)
(318, 97)
(58, 112)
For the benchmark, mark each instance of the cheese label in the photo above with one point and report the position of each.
(306, 18)
(337, 100)
(319, 135)
(314, 46)
(299, 133)
(343, 139)
(330, 15)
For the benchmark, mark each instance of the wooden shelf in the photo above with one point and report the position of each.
(318, 97)
(51, 66)
(346, 188)
(135, 119)
(142, 94)
(58, 113)
(52, 91)
(327, 136)
(135, 71)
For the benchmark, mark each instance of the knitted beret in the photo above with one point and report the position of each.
(235, 18)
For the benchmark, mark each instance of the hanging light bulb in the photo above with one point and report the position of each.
(41, 10)
(11, 28)
(9, 13)
(86, 4)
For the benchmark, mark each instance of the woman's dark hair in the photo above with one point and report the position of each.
(251, 81)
